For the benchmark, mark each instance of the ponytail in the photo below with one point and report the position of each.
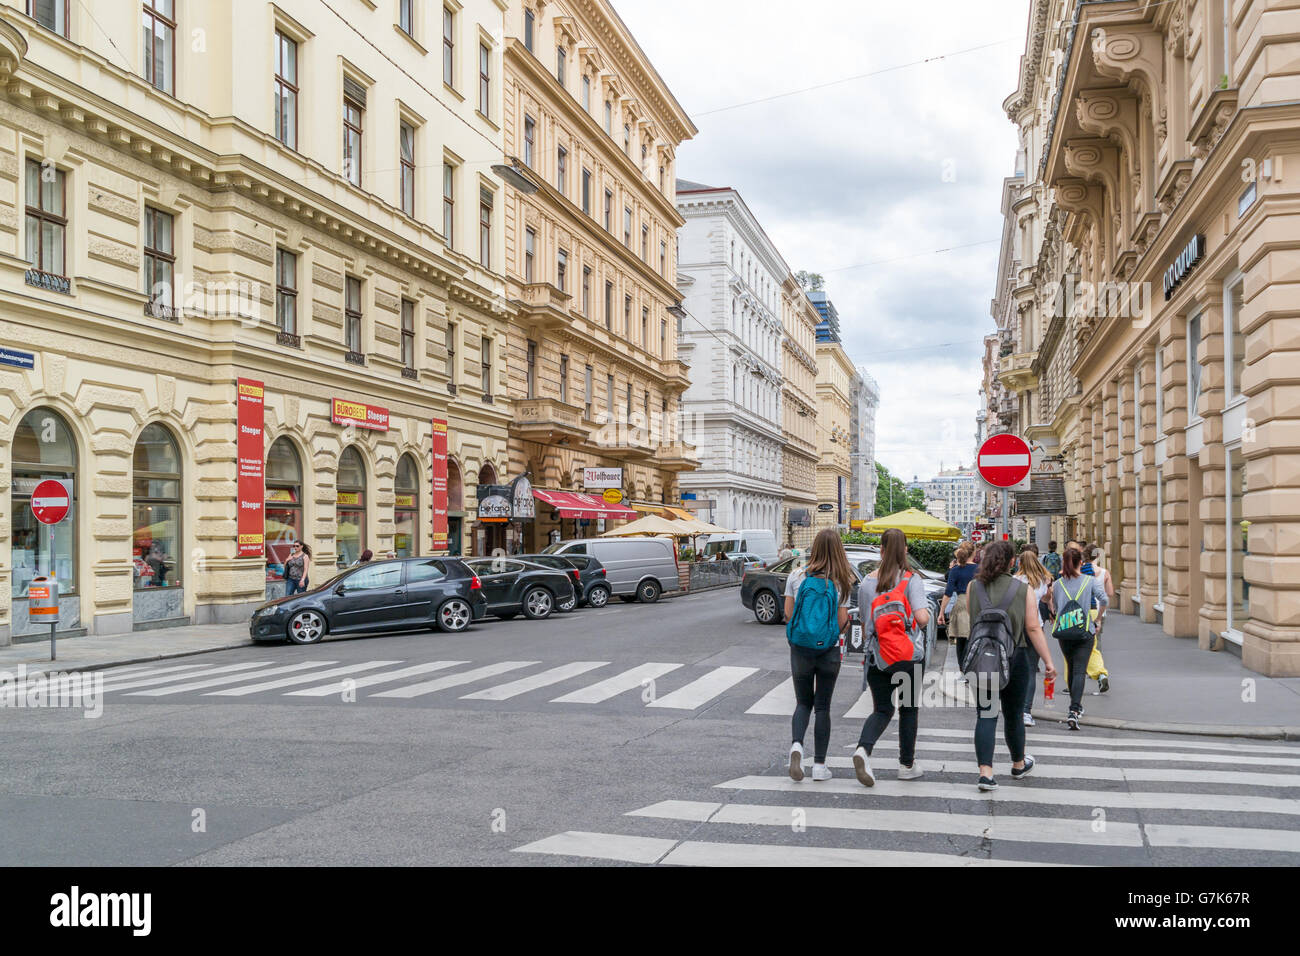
(1071, 561)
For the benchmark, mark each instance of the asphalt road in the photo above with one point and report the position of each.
(631, 734)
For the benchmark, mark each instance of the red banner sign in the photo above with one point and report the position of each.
(250, 525)
(439, 485)
(360, 415)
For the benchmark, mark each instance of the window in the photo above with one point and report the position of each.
(283, 509)
(406, 155)
(609, 118)
(609, 306)
(530, 253)
(663, 258)
(484, 79)
(159, 23)
(286, 291)
(1193, 367)
(627, 317)
(354, 107)
(663, 339)
(609, 396)
(627, 139)
(1235, 341)
(530, 133)
(448, 47)
(586, 392)
(156, 510)
(408, 334)
(449, 204)
(1238, 543)
(47, 222)
(586, 291)
(350, 510)
(586, 93)
(51, 14)
(609, 211)
(159, 260)
(586, 191)
(530, 371)
(564, 379)
(627, 227)
(425, 572)
(561, 271)
(406, 511)
(561, 56)
(43, 447)
(645, 328)
(627, 408)
(528, 30)
(453, 340)
(286, 90)
(645, 244)
(352, 314)
(562, 170)
(485, 227)
(487, 367)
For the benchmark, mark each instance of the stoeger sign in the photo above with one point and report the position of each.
(359, 415)
(1184, 264)
(439, 485)
(249, 525)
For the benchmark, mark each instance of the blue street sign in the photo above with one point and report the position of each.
(17, 359)
(689, 496)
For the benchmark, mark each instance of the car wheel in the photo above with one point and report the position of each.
(765, 609)
(454, 616)
(307, 627)
(568, 604)
(598, 596)
(648, 592)
(538, 604)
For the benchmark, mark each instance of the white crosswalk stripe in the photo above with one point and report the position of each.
(298, 679)
(618, 684)
(168, 678)
(777, 701)
(1130, 774)
(1081, 739)
(702, 690)
(333, 689)
(545, 679)
(227, 679)
(454, 680)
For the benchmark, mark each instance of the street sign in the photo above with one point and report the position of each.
(613, 496)
(50, 501)
(1003, 461)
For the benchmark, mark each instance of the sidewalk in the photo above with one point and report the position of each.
(1162, 684)
(80, 653)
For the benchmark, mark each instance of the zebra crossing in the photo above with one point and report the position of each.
(1091, 800)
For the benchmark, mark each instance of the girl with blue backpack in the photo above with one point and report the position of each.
(816, 612)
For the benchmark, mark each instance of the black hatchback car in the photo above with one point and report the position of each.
(592, 586)
(515, 585)
(400, 595)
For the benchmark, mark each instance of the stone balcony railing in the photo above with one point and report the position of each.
(1016, 371)
(548, 420)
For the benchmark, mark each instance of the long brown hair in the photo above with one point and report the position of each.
(1032, 568)
(1071, 561)
(996, 561)
(893, 559)
(829, 561)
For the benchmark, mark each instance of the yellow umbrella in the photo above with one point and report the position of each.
(916, 524)
(647, 525)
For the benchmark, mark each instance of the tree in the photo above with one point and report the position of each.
(810, 281)
(893, 496)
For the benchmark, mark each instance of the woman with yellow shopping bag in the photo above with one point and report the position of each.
(1093, 565)
(1070, 598)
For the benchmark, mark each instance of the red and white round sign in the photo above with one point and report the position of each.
(1003, 461)
(50, 502)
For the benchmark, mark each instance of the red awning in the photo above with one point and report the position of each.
(575, 504)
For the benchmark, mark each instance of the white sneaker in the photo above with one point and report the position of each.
(909, 773)
(796, 761)
(821, 772)
(1029, 719)
(862, 767)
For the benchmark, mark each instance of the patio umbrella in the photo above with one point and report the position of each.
(916, 524)
(647, 525)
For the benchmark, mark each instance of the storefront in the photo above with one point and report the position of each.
(350, 508)
(158, 565)
(406, 509)
(565, 515)
(284, 519)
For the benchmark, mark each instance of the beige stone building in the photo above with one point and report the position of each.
(799, 404)
(592, 130)
(1157, 243)
(268, 192)
(834, 433)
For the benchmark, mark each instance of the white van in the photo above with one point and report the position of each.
(636, 568)
(759, 541)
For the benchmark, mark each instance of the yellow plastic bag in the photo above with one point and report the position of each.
(1096, 666)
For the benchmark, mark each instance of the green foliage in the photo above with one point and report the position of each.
(902, 498)
(810, 281)
(931, 555)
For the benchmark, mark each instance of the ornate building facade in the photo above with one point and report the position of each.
(800, 455)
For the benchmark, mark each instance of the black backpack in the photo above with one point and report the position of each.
(992, 642)
(1072, 619)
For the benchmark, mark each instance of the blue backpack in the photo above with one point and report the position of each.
(815, 623)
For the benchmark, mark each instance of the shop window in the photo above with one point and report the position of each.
(350, 502)
(1235, 340)
(42, 448)
(156, 510)
(283, 506)
(1238, 551)
(406, 508)
(1193, 368)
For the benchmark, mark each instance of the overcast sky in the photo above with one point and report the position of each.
(873, 169)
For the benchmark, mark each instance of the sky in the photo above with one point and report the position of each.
(884, 167)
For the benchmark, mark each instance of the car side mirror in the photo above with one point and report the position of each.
(340, 590)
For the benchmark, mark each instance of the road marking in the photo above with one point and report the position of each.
(1222, 838)
(618, 684)
(117, 677)
(1010, 828)
(693, 853)
(150, 681)
(863, 708)
(454, 680)
(1130, 774)
(779, 700)
(1080, 739)
(228, 679)
(333, 688)
(544, 679)
(1098, 753)
(702, 690)
(299, 679)
(601, 846)
(1027, 793)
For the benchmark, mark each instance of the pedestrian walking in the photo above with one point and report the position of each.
(817, 600)
(895, 613)
(1074, 628)
(1052, 561)
(1036, 577)
(954, 612)
(998, 604)
(1094, 564)
(297, 569)
(366, 557)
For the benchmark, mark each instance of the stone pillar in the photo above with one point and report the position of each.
(1108, 535)
(1212, 616)
(1124, 560)
(1148, 506)
(1178, 616)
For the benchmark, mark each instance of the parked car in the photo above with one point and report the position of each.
(637, 569)
(515, 586)
(761, 541)
(399, 595)
(590, 577)
(746, 560)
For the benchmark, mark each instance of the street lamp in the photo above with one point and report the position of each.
(513, 173)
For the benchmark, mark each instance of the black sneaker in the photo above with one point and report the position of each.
(988, 784)
(1025, 770)
(1103, 684)
(1073, 720)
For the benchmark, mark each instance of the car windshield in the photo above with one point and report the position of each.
(552, 549)
(717, 547)
(333, 582)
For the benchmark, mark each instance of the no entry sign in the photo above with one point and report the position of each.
(50, 502)
(1003, 461)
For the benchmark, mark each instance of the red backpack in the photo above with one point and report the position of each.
(897, 637)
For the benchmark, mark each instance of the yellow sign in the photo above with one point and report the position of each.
(613, 496)
(857, 525)
(348, 498)
(404, 501)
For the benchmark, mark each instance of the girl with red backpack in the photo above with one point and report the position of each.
(895, 613)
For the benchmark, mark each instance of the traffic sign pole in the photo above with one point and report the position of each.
(50, 503)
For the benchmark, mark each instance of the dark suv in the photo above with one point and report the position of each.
(400, 595)
(590, 584)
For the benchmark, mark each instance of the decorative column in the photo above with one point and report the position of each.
(1124, 559)
(1108, 534)
(1212, 618)
(1177, 617)
(1148, 507)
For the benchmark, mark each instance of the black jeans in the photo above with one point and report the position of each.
(882, 684)
(1032, 689)
(1011, 701)
(1076, 668)
(814, 683)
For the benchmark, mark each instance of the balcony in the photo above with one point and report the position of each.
(677, 456)
(677, 372)
(544, 307)
(618, 439)
(1016, 371)
(548, 421)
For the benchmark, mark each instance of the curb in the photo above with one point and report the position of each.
(143, 659)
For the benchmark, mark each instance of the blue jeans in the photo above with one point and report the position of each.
(292, 587)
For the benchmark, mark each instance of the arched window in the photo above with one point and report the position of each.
(351, 507)
(156, 508)
(406, 508)
(42, 448)
(283, 506)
